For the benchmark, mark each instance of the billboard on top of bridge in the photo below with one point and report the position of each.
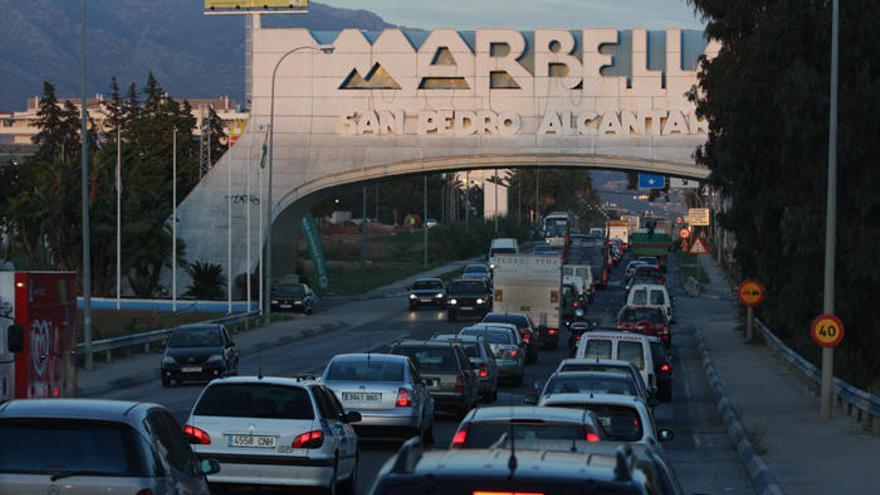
(256, 6)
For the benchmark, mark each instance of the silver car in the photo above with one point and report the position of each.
(280, 432)
(482, 359)
(96, 446)
(386, 390)
(507, 346)
(492, 427)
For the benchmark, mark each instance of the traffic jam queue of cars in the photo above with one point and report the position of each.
(588, 428)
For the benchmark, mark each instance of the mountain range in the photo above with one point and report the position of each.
(192, 55)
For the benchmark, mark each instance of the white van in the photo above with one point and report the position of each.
(651, 295)
(502, 246)
(630, 347)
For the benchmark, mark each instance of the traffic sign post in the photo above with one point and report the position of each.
(652, 181)
(751, 294)
(684, 233)
(827, 330)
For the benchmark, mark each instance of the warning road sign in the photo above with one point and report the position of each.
(750, 293)
(684, 233)
(699, 247)
(827, 330)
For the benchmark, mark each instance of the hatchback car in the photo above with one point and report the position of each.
(482, 360)
(646, 320)
(388, 392)
(467, 298)
(293, 297)
(527, 331)
(624, 346)
(200, 351)
(96, 446)
(478, 271)
(492, 427)
(507, 347)
(426, 292)
(446, 371)
(653, 295)
(281, 432)
(609, 366)
(585, 382)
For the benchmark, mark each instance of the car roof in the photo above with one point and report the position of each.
(422, 343)
(585, 373)
(600, 362)
(428, 279)
(481, 265)
(650, 286)
(528, 412)
(453, 337)
(382, 358)
(594, 398)
(617, 335)
(83, 409)
(266, 380)
(518, 314)
(492, 325)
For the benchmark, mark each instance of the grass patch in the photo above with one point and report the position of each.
(687, 266)
(108, 324)
(353, 282)
(452, 275)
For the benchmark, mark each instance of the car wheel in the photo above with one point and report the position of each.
(166, 382)
(349, 486)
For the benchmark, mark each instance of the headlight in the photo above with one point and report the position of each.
(412, 296)
(439, 295)
(579, 312)
(213, 358)
(453, 301)
(492, 266)
(480, 300)
(168, 360)
(274, 301)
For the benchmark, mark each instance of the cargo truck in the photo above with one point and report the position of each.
(617, 229)
(651, 242)
(37, 335)
(531, 284)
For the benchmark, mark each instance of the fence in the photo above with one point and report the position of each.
(863, 406)
(146, 340)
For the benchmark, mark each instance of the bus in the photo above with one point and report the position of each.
(556, 225)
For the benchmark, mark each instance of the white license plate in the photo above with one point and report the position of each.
(425, 299)
(192, 369)
(467, 308)
(252, 441)
(361, 396)
(286, 306)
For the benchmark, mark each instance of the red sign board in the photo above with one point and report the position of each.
(684, 233)
(827, 330)
(750, 293)
(699, 247)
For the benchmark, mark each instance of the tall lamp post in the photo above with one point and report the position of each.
(267, 300)
(86, 243)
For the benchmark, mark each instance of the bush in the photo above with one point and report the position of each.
(458, 240)
(208, 281)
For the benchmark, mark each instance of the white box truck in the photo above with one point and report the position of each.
(531, 284)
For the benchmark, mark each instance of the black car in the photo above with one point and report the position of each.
(662, 370)
(447, 372)
(293, 297)
(467, 298)
(426, 292)
(200, 351)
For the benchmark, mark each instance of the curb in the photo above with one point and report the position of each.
(153, 375)
(760, 473)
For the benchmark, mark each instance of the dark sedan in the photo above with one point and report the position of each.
(199, 352)
(293, 297)
(426, 292)
(467, 298)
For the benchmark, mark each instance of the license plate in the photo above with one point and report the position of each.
(361, 397)
(605, 422)
(467, 308)
(286, 306)
(192, 369)
(253, 441)
(425, 299)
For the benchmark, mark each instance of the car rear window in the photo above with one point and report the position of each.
(490, 336)
(251, 400)
(598, 349)
(632, 315)
(496, 435)
(431, 359)
(657, 297)
(603, 368)
(365, 370)
(51, 446)
(472, 349)
(632, 352)
(640, 296)
(196, 337)
(518, 320)
(585, 384)
(620, 423)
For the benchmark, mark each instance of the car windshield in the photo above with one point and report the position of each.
(492, 435)
(632, 315)
(431, 359)
(290, 290)
(619, 423)
(476, 269)
(464, 287)
(592, 383)
(196, 337)
(491, 336)
(365, 370)
(52, 446)
(495, 251)
(518, 320)
(255, 400)
(428, 285)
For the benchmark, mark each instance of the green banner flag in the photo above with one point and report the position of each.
(265, 150)
(316, 249)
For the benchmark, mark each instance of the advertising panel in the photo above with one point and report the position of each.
(256, 6)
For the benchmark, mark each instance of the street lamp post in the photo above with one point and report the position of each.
(267, 301)
(86, 242)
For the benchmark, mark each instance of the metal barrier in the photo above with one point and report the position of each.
(855, 401)
(147, 339)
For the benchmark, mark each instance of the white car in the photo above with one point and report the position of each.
(623, 346)
(623, 418)
(280, 432)
(651, 295)
(609, 366)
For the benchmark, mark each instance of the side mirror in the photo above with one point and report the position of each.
(209, 467)
(530, 400)
(15, 339)
(353, 417)
(666, 435)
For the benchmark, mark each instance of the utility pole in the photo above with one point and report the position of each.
(86, 241)
(364, 236)
(496, 199)
(425, 219)
(826, 407)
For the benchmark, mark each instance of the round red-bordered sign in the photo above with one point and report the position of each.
(827, 330)
(750, 292)
(684, 233)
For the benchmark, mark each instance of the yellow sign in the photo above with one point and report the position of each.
(827, 330)
(256, 6)
(751, 293)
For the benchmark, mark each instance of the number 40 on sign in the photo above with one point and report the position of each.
(827, 330)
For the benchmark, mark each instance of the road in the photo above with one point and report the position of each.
(701, 453)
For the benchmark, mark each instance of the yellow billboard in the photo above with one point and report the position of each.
(256, 6)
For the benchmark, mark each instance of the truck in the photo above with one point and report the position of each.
(591, 251)
(37, 335)
(651, 242)
(530, 284)
(634, 222)
(617, 229)
(580, 276)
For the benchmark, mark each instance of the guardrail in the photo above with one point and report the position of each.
(147, 339)
(862, 405)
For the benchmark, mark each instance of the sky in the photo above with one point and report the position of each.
(530, 14)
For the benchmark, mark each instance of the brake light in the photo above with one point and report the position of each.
(460, 437)
(403, 399)
(512, 353)
(665, 368)
(552, 331)
(309, 440)
(578, 338)
(526, 335)
(196, 435)
(484, 370)
(575, 304)
(459, 385)
(592, 436)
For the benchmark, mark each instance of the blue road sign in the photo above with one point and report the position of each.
(651, 181)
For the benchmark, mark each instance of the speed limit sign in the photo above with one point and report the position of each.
(827, 330)
(684, 233)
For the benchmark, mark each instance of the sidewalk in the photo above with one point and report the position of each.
(781, 415)
(142, 368)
